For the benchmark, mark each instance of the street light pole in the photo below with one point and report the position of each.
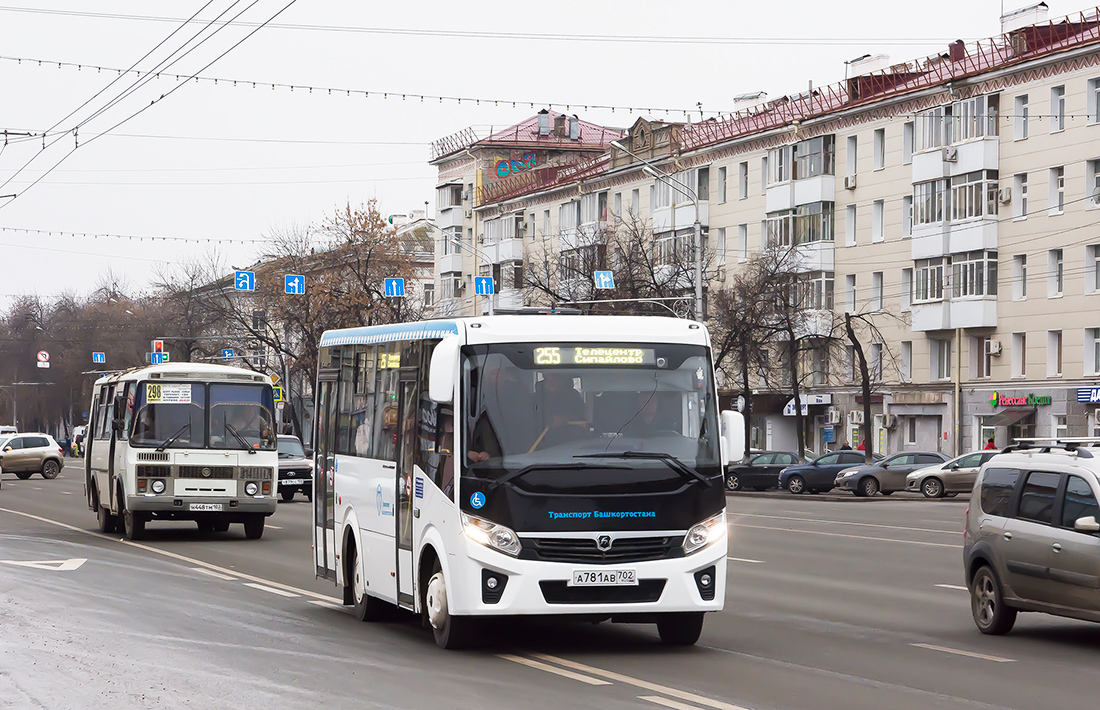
(675, 184)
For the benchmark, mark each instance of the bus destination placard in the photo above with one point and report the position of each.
(594, 356)
(167, 393)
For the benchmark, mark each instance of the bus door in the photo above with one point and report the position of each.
(406, 454)
(324, 456)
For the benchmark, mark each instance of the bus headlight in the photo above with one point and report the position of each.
(710, 530)
(491, 535)
(157, 486)
(250, 488)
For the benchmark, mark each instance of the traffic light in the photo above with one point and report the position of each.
(158, 346)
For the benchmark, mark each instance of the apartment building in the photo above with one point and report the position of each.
(951, 200)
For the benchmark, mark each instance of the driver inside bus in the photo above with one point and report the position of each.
(645, 422)
(249, 422)
(562, 410)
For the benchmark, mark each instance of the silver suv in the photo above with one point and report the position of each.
(1033, 534)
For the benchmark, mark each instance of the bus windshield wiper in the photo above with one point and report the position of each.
(671, 461)
(577, 466)
(171, 439)
(244, 442)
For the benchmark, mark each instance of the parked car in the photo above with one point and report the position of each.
(760, 472)
(27, 454)
(948, 479)
(295, 470)
(886, 476)
(819, 475)
(1033, 536)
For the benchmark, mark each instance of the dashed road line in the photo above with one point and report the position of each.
(644, 684)
(271, 590)
(66, 493)
(674, 704)
(551, 669)
(212, 573)
(855, 537)
(328, 605)
(37, 488)
(848, 522)
(960, 652)
(273, 527)
(744, 559)
(959, 587)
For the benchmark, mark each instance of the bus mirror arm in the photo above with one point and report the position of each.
(444, 370)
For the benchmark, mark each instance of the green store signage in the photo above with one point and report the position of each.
(1000, 400)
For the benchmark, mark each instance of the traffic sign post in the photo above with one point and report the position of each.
(43, 358)
(245, 281)
(395, 288)
(483, 285)
(278, 392)
(227, 353)
(604, 280)
(294, 284)
(99, 358)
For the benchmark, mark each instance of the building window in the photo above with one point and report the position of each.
(850, 293)
(1092, 100)
(593, 209)
(1057, 109)
(821, 365)
(906, 289)
(1021, 127)
(906, 361)
(720, 246)
(1019, 277)
(448, 196)
(802, 225)
(1019, 185)
(853, 155)
(1060, 427)
(981, 360)
(928, 202)
(876, 362)
(743, 242)
(743, 181)
(906, 216)
(851, 367)
(429, 294)
(911, 431)
(878, 220)
(880, 148)
(675, 247)
(1057, 191)
(974, 195)
(850, 226)
(974, 274)
(1092, 184)
(618, 209)
(546, 222)
(907, 143)
(702, 184)
(929, 278)
(1054, 353)
(814, 157)
(764, 175)
(1092, 268)
(940, 359)
(569, 216)
(635, 202)
(876, 291)
(1056, 273)
(956, 122)
(687, 182)
(1092, 351)
(721, 184)
(1019, 354)
(779, 165)
(816, 291)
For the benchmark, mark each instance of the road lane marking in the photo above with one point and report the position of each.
(37, 488)
(212, 573)
(328, 605)
(855, 537)
(271, 590)
(674, 704)
(551, 669)
(848, 522)
(175, 556)
(959, 652)
(610, 675)
(51, 565)
(273, 527)
(743, 559)
(953, 586)
(66, 493)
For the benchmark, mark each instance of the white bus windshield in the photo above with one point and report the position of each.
(170, 409)
(241, 417)
(543, 405)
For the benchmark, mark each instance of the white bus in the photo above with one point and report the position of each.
(185, 441)
(523, 465)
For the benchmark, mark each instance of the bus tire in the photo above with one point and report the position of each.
(133, 524)
(220, 525)
(682, 629)
(108, 523)
(450, 632)
(367, 608)
(254, 526)
(206, 526)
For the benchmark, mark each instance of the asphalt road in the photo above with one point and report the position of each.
(831, 604)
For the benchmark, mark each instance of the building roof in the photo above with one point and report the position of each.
(525, 134)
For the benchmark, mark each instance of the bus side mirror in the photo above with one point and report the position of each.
(444, 369)
(733, 436)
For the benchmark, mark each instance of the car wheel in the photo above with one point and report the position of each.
(991, 615)
(367, 608)
(450, 632)
(887, 493)
(286, 494)
(22, 475)
(932, 488)
(733, 482)
(681, 629)
(760, 488)
(796, 484)
(50, 469)
(254, 526)
(868, 486)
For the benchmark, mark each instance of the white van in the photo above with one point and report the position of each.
(8, 430)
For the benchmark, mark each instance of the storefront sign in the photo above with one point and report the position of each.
(1088, 394)
(1000, 400)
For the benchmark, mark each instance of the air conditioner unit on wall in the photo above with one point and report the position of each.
(834, 415)
(890, 421)
(465, 194)
(855, 416)
(1004, 195)
(469, 213)
(993, 347)
(950, 155)
(849, 182)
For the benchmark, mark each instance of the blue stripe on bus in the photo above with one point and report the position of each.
(386, 333)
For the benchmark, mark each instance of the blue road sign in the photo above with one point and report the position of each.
(158, 358)
(395, 288)
(227, 353)
(245, 281)
(604, 279)
(294, 284)
(278, 392)
(483, 285)
(99, 358)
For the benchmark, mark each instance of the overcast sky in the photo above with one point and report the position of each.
(223, 162)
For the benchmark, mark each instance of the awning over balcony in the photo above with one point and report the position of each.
(806, 401)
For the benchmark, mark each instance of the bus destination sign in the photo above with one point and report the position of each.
(594, 356)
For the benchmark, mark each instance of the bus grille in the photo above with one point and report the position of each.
(255, 473)
(153, 456)
(584, 550)
(147, 471)
(206, 471)
(559, 592)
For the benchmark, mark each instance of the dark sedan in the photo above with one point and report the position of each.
(760, 472)
(818, 475)
(888, 475)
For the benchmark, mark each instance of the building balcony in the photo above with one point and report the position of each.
(816, 324)
(815, 256)
(931, 240)
(806, 191)
(680, 217)
(451, 217)
(975, 154)
(970, 312)
(450, 263)
(499, 252)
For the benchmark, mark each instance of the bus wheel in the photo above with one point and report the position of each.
(221, 525)
(133, 524)
(680, 629)
(367, 608)
(206, 526)
(108, 523)
(254, 527)
(450, 632)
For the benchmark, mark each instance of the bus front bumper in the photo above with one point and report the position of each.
(166, 506)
